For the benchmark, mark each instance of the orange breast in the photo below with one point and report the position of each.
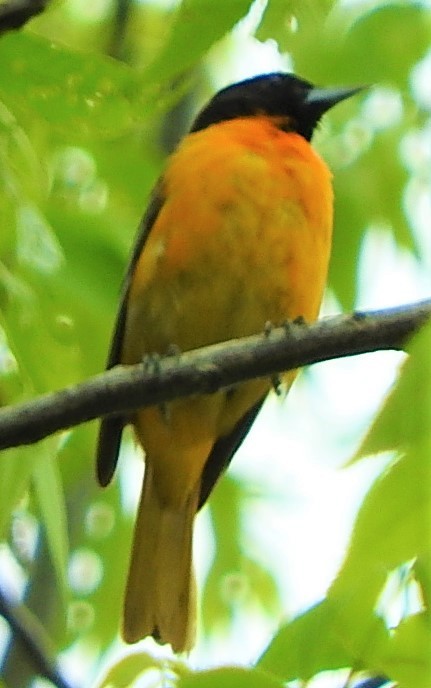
(243, 238)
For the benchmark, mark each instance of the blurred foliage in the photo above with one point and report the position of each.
(392, 532)
(81, 142)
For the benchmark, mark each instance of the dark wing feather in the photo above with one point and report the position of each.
(111, 427)
(223, 451)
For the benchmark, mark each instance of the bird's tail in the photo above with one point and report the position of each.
(159, 595)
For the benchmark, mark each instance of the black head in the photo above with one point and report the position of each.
(297, 103)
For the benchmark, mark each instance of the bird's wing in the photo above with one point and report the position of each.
(111, 427)
(223, 451)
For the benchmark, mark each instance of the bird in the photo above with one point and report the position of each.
(237, 234)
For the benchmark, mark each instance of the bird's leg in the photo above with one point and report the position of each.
(152, 365)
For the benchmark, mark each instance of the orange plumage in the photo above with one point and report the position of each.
(238, 234)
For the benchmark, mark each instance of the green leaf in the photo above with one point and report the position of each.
(305, 646)
(280, 17)
(402, 425)
(50, 498)
(325, 638)
(232, 677)
(380, 43)
(23, 180)
(78, 94)
(32, 325)
(128, 669)
(408, 660)
(16, 466)
(357, 46)
(392, 527)
(393, 524)
(197, 26)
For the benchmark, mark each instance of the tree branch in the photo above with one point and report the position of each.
(204, 371)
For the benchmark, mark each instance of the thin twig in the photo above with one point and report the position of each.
(203, 371)
(27, 632)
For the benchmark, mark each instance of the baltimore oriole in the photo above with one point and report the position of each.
(237, 234)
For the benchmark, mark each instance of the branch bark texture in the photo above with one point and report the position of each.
(203, 371)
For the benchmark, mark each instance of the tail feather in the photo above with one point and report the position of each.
(159, 595)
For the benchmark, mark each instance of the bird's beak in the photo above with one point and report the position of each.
(322, 99)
